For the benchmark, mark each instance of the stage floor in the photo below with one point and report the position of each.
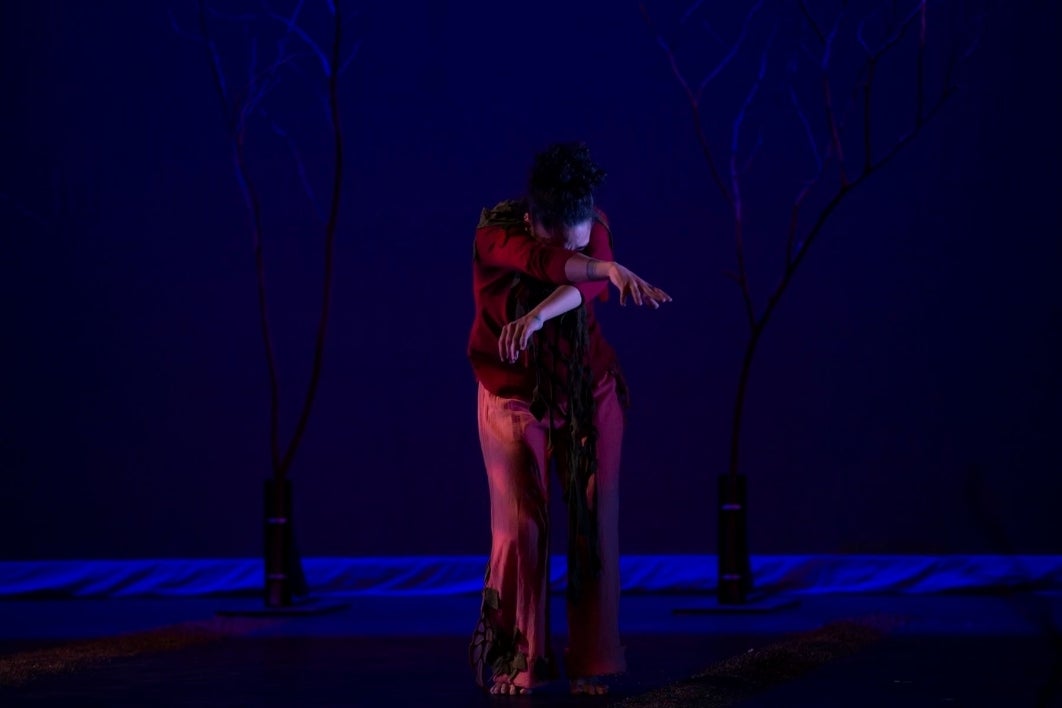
(829, 650)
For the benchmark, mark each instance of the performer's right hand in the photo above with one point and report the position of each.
(639, 290)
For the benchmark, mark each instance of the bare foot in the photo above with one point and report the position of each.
(505, 688)
(590, 686)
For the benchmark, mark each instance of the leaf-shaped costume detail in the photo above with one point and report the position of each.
(492, 646)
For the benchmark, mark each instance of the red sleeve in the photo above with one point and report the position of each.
(498, 248)
(600, 247)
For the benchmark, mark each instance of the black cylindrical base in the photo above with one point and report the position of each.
(735, 577)
(280, 555)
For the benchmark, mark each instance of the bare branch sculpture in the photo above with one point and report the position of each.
(241, 103)
(833, 178)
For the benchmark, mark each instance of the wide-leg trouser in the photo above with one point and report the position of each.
(516, 454)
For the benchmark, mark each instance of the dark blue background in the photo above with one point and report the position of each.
(905, 398)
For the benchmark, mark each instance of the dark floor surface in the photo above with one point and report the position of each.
(934, 651)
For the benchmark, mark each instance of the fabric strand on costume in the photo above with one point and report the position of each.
(491, 646)
(499, 651)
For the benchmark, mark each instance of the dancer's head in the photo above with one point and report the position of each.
(560, 194)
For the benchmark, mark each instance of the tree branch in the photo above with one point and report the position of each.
(868, 85)
(733, 50)
(921, 69)
(831, 118)
(253, 204)
(300, 167)
(895, 28)
(812, 22)
(690, 10)
(807, 128)
(695, 109)
(806, 190)
(735, 182)
(326, 66)
(179, 31)
(350, 59)
(330, 237)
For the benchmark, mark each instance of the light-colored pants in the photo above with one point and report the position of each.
(516, 452)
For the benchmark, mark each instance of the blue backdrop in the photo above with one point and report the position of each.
(905, 398)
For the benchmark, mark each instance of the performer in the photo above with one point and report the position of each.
(550, 388)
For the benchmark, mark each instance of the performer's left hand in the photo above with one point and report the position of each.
(515, 336)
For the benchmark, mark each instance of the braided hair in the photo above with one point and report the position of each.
(560, 189)
(560, 193)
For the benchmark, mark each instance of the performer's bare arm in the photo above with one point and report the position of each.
(515, 335)
(578, 269)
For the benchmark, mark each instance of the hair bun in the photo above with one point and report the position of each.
(562, 182)
(570, 165)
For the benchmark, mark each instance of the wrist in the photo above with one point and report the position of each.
(598, 270)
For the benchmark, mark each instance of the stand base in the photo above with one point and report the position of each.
(756, 603)
(307, 607)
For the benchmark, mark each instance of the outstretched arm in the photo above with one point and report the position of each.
(514, 250)
(580, 268)
(516, 334)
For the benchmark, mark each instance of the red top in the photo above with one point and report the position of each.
(503, 255)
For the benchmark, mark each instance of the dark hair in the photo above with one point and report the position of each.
(560, 191)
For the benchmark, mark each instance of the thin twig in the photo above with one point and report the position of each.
(807, 128)
(326, 66)
(806, 190)
(260, 85)
(735, 182)
(282, 43)
(300, 167)
(253, 203)
(702, 138)
(921, 60)
(689, 11)
(812, 22)
(350, 59)
(181, 32)
(868, 85)
(753, 153)
(899, 33)
(330, 237)
(733, 50)
(827, 94)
